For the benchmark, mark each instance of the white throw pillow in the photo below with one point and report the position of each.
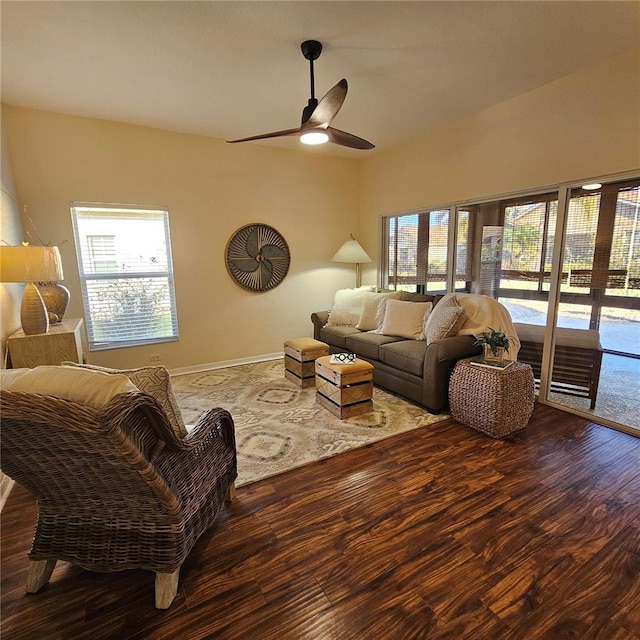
(347, 306)
(368, 316)
(156, 382)
(404, 319)
(445, 321)
(93, 388)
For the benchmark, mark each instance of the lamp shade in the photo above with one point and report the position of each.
(351, 251)
(29, 263)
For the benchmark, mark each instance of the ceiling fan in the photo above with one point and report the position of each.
(317, 115)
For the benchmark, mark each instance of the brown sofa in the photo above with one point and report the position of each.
(410, 368)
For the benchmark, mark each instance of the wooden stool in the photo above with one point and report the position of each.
(496, 402)
(299, 360)
(344, 389)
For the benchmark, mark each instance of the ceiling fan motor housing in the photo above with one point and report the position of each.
(311, 49)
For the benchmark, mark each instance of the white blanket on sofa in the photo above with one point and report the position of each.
(483, 313)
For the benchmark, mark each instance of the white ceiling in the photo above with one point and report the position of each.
(234, 69)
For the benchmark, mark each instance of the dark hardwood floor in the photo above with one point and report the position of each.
(437, 533)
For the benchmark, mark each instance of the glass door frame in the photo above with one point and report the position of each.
(548, 350)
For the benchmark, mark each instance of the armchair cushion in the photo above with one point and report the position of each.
(92, 388)
(155, 381)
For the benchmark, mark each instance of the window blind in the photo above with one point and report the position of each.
(417, 251)
(126, 275)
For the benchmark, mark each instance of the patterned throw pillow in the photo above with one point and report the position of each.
(444, 322)
(154, 381)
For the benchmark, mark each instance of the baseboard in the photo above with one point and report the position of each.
(226, 363)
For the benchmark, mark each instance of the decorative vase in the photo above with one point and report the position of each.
(491, 356)
(56, 299)
(33, 313)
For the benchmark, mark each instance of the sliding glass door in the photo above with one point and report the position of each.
(596, 307)
(596, 363)
(565, 263)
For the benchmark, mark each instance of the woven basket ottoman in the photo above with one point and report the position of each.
(300, 360)
(496, 402)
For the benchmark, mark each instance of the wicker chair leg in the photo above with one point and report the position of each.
(166, 588)
(39, 573)
(231, 493)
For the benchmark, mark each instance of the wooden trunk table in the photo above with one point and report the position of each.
(344, 389)
(299, 360)
(494, 401)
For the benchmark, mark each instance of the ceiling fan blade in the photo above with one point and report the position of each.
(328, 107)
(348, 139)
(275, 134)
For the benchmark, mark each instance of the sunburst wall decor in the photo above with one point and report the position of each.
(257, 257)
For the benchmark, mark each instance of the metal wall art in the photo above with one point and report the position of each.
(257, 257)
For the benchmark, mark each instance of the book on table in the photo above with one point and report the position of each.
(481, 362)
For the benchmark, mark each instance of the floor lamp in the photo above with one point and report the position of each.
(352, 252)
(30, 264)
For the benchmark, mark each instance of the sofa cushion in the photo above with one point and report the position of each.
(408, 296)
(92, 388)
(337, 335)
(370, 302)
(406, 355)
(347, 306)
(404, 319)
(367, 344)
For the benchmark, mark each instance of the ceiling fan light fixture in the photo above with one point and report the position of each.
(314, 137)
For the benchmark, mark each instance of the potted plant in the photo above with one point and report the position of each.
(495, 343)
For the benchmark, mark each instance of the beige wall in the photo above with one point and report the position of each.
(11, 233)
(581, 126)
(211, 189)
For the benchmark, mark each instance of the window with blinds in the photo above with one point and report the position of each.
(527, 243)
(126, 274)
(602, 252)
(417, 250)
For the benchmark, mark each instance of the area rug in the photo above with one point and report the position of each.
(279, 426)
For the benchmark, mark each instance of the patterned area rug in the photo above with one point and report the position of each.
(279, 426)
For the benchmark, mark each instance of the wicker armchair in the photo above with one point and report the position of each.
(116, 487)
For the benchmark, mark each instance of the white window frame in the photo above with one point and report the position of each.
(130, 328)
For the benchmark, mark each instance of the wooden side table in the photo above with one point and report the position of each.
(496, 402)
(64, 341)
(299, 360)
(344, 389)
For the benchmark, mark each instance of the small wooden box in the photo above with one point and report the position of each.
(344, 389)
(299, 360)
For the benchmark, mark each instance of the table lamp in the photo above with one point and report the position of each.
(30, 264)
(352, 252)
